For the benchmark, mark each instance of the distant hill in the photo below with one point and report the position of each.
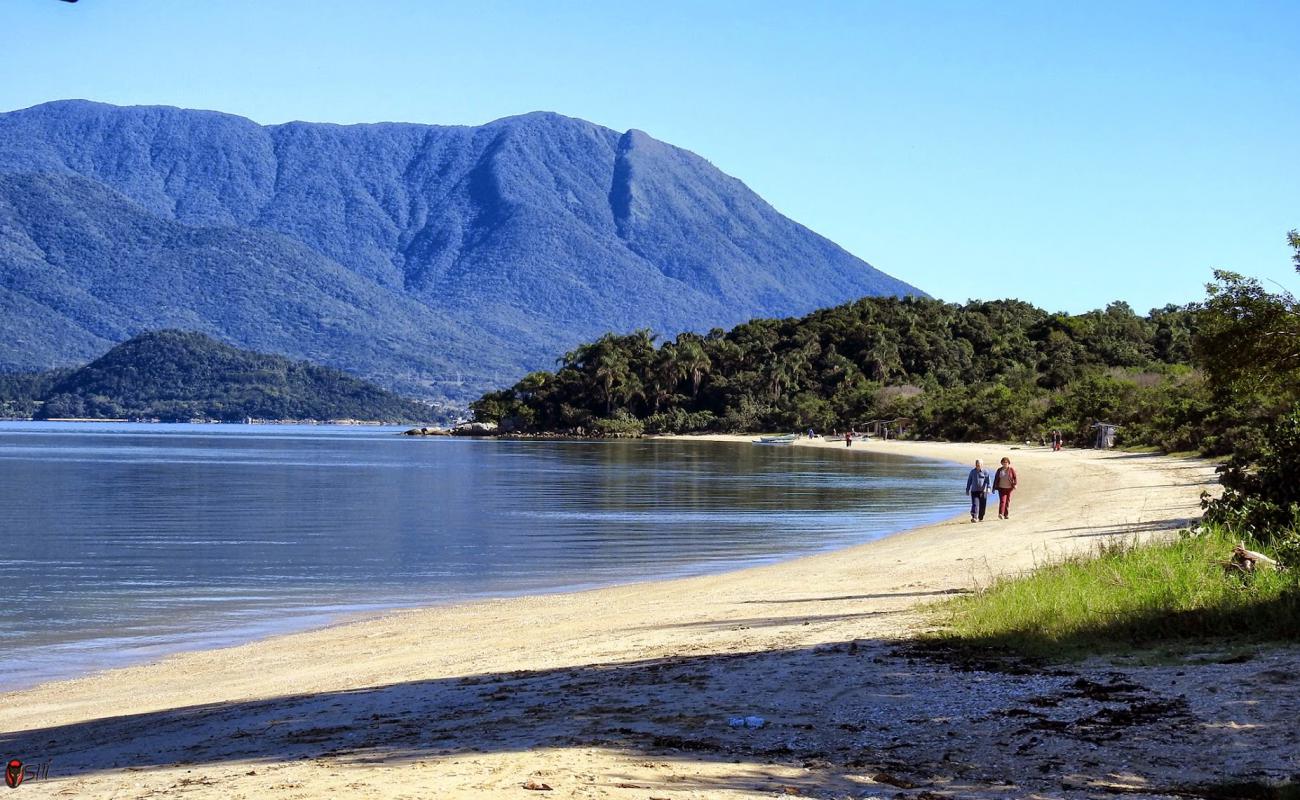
(181, 375)
(438, 260)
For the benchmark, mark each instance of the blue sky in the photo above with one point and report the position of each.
(1064, 154)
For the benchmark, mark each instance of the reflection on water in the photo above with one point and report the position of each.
(122, 542)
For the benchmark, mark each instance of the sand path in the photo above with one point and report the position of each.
(626, 692)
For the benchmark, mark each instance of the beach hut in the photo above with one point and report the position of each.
(1104, 439)
(888, 428)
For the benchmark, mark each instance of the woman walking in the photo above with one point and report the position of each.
(1004, 481)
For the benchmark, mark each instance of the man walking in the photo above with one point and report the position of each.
(978, 483)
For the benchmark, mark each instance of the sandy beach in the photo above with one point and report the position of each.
(627, 692)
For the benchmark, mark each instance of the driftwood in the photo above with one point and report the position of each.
(1247, 561)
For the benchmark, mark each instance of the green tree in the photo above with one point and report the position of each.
(1248, 339)
(666, 374)
(1262, 495)
(882, 358)
(611, 368)
(694, 361)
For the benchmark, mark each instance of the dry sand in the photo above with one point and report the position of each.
(627, 692)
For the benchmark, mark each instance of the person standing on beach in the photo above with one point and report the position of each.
(1004, 481)
(848, 438)
(978, 483)
(1056, 441)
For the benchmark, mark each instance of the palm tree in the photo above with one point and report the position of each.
(694, 361)
(579, 355)
(789, 368)
(782, 372)
(611, 370)
(531, 384)
(666, 372)
(631, 388)
(884, 358)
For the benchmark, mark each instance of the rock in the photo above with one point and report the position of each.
(475, 429)
(893, 780)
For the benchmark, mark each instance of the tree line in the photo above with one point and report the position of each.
(981, 370)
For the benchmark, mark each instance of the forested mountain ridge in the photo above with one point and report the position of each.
(182, 375)
(441, 260)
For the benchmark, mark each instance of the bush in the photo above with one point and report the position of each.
(747, 415)
(678, 420)
(1262, 494)
(1287, 549)
(986, 411)
(807, 410)
(1170, 414)
(620, 424)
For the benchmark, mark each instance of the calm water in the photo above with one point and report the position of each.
(119, 543)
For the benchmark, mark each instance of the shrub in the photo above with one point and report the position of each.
(747, 415)
(620, 424)
(1262, 494)
(678, 420)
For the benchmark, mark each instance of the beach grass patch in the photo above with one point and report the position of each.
(1125, 595)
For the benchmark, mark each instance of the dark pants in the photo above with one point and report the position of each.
(978, 503)
(1004, 502)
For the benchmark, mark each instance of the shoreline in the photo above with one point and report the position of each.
(601, 689)
(260, 625)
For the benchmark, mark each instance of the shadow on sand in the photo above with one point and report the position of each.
(835, 714)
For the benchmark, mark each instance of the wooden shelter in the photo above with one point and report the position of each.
(887, 428)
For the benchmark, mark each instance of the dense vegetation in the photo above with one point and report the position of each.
(433, 260)
(179, 375)
(1250, 346)
(983, 370)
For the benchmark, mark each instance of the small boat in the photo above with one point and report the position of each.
(786, 439)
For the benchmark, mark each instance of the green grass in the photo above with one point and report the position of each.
(1125, 596)
(1139, 448)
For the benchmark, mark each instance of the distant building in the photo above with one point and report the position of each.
(888, 428)
(1104, 439)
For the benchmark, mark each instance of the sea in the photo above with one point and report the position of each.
(121, 543)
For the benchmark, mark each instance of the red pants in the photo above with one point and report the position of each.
(1004, 502)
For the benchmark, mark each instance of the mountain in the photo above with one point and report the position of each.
(180, 375)
(438, 260)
